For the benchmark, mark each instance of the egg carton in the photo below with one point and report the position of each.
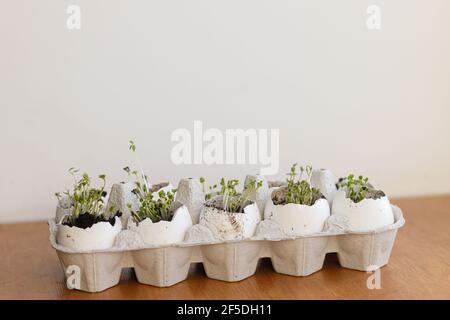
(231, 261)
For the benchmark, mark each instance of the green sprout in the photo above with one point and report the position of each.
(159, 209)
(202, 181)
(232, 200)
(83, 198)
(299, 190)
(141, 177)
(356, 189)
(212, 189)
(132, 146)
(152, 207)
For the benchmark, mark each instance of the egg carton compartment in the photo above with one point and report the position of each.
(231, 261)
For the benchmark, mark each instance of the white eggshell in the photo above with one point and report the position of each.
(231, 226)
(261, 195)
(98, 237)
(61, 212)
(63, 208)
(163, 232)
(298, 219)
(367, 214)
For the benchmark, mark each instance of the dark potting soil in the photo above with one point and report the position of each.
(87, 220)
(279, 196)
(374, 194)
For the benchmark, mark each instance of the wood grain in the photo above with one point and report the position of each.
(419, 268)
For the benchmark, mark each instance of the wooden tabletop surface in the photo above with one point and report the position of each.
(419, 268)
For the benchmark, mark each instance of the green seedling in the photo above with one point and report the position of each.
(299, 190)
(211, 189)
(155, 209)
(141, 179)
(140, 176)
(84, 199)
(356, 189)
(232, 200)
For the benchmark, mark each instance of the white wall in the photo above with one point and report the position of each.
(343, 97)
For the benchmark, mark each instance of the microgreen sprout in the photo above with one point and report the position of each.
(202, 181)
(212, 189)
(356, 189)
(132, 146)
(143, 179)
(232, 200)
(84, 199)
(299, 190)
(155, 208)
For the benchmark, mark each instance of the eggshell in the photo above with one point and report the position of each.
(98, 237)
(231, 226)
(365, 215)
(296, 219)
(163, 232)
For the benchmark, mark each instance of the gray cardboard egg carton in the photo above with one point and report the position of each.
(231, 260)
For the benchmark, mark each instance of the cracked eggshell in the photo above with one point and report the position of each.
(231, 226)
(261, 195)
(98, 237)
(61, 212)
(296, 219)
(163, 232)
(365, 215)
(63, 208)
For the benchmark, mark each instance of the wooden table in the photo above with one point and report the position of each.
(419, 268)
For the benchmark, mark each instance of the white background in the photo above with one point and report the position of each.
(343, 97)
